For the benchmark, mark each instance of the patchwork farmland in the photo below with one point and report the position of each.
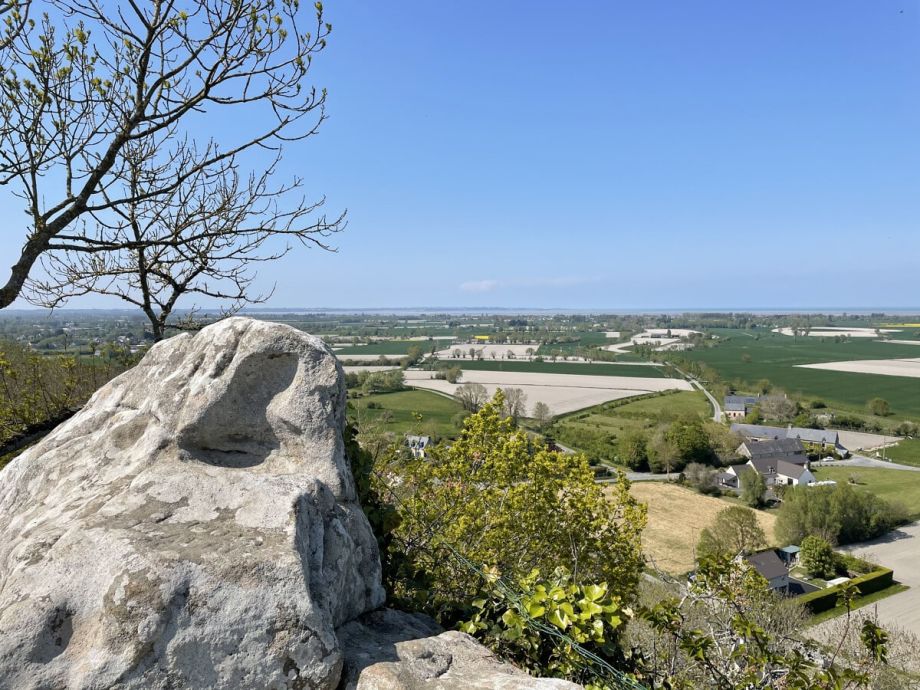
(748, 358)
(561, 392)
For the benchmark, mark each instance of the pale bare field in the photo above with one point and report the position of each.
(612, 334)
(886, 367)
(858, 440)
(367, 358)
(657, 337)
(561, 392)
(369, 368)
(831, 331)
(487, 350)
(676, 516)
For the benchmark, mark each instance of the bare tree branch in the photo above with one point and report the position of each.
(87, 81)
(204, 240)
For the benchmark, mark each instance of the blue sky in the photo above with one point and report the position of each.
(605, 155)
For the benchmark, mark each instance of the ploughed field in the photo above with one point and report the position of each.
(561, 392)
(578, 368)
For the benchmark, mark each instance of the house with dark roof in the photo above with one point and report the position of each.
(776, 471)
(779, 448)
(771, 568)
(826, 438)
(739, 406)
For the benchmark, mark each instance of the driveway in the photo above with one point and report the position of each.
(899, 550)
(864, 461)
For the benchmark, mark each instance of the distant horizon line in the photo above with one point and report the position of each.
(824, 310)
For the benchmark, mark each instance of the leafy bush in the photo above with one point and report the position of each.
(826, 599)
(848, 563)
(38, 391)
(818, 557)
(879, 407)
(498, 498)
(839, 514)
(721, 632)
(512, 624)
(702, 478)
(753, 487)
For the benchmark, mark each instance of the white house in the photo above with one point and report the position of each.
(776, 471)
(417, 444)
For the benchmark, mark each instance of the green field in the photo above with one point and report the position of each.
(595, 431)
(586, 339)
(906, 452)
(583, 368)
(397, 412)
(897, 486)
(774, 357)
(389, 347)
(644, 413)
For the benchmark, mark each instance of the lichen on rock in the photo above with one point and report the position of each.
(195, 525)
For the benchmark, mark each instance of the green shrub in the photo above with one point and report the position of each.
(818, 557)
(505, 623)
(852, 564)
(826, 599)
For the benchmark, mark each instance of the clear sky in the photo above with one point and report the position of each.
(613, 154)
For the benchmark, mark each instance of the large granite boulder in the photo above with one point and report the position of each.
(194, 526)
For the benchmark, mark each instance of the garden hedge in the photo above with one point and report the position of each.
(826, 599)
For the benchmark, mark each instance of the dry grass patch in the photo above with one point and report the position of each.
(676, 516)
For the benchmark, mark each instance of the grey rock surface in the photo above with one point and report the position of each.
(392, 650)
(194, 526)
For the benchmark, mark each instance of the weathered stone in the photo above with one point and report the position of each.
(391, 650)
(194, 526)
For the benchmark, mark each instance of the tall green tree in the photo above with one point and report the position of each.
(632, 450)
(734, 531)
(496, 498)
(753, 487)
(691, 440)
(818, 557)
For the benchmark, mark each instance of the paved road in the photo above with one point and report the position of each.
(900, 550)
(716, 408)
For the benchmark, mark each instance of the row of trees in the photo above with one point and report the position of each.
(473, 396)
(838, 514)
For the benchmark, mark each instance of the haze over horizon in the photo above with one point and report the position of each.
(603, 157)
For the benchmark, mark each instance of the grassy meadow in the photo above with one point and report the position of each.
(396, 412)
(676, 516)
(595, 430)
(897, 486)
(585, 339)
(907, 452)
